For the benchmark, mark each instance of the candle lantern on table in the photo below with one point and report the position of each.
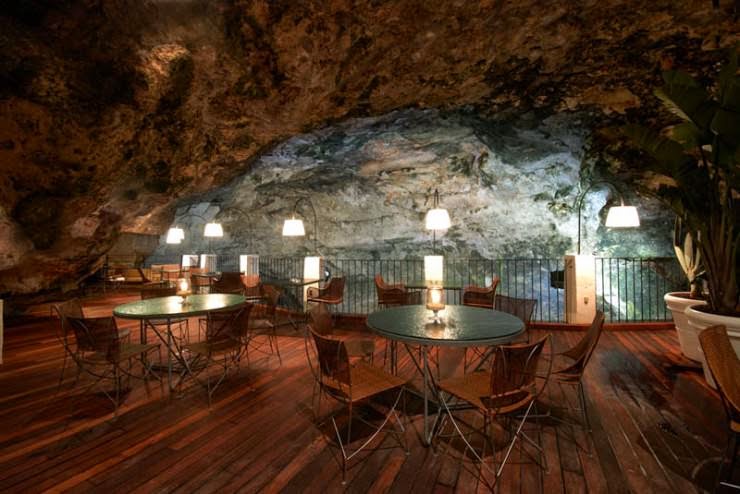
(183, 289)
(435, 301)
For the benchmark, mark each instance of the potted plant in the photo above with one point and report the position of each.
(695, 172)
(689, 257)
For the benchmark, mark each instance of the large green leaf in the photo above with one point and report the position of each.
(666, 152)
(726, 126)
(687, 134)
(688, 103)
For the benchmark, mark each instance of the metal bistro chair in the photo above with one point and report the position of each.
(724, 366)
(228, 283)
(352, 384)
(523, 308)
(252, 287)
(225, 342)
(478, 296)
(394, 295)
(263, 322)
(332, 293)
(510, 389)
(578, 358)
(99, 351)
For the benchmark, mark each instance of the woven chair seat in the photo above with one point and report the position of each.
(475, 388)
(367, 381)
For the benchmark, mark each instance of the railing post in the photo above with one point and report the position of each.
(580, 289)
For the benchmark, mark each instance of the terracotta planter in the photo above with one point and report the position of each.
(688, 337)
(699, 320)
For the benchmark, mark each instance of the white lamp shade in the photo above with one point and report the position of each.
(213, 229)
(437, 219)
(433, 270)
(622, 217)
(249, 264)
(175, 235)
(293, 228)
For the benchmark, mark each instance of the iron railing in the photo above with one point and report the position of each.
(627, 289)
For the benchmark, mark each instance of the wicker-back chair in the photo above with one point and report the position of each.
(97, 348)
(66, 310)
(724, 366)
(225, 341)
(228, 282)
(393, 295)
(479, 296)
(351, 384)
(510, 389)
(323, 323)
(157, 291)
(264, 322)
(331, 293)
(578, 358)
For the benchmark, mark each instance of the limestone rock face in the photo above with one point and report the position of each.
(113, 110)
(510, 189)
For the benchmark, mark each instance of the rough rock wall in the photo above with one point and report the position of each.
(111, 110)
(510, 188)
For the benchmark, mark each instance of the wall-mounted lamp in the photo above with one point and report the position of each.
(618, 216)
(293, 227)
(437, 219)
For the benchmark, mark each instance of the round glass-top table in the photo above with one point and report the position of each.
(168, 308)
(172, 307)
(460, 326)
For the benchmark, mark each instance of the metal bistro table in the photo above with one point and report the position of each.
(461, 326)
(170, 308)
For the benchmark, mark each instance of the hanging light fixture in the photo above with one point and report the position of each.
(213, 229)
(437, 218)
(618, 216)
(293, 227)
(175, 235)
(622, 217)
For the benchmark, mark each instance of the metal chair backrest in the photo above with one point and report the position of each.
(475, 296)
(97, 334)
(334, 291)
(148, 292)
(334, 364)
(228, 324)
(321, 319)
(65, 310)
(515, 373)
(724, 365)
(251, 283)
(581, 353)
(389, 295)
(523, 308)
(228, 282)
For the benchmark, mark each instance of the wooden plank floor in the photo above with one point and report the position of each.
(656, 428)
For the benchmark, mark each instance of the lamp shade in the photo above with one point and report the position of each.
(175, 235)
(213, 229)
(437, 219)
(433, 270)
(293, 228)
(622, 217)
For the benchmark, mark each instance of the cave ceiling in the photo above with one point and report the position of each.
(111, 111)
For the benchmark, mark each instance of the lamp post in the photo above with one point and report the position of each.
(437, 219)
(618, 216)
(293, 227)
